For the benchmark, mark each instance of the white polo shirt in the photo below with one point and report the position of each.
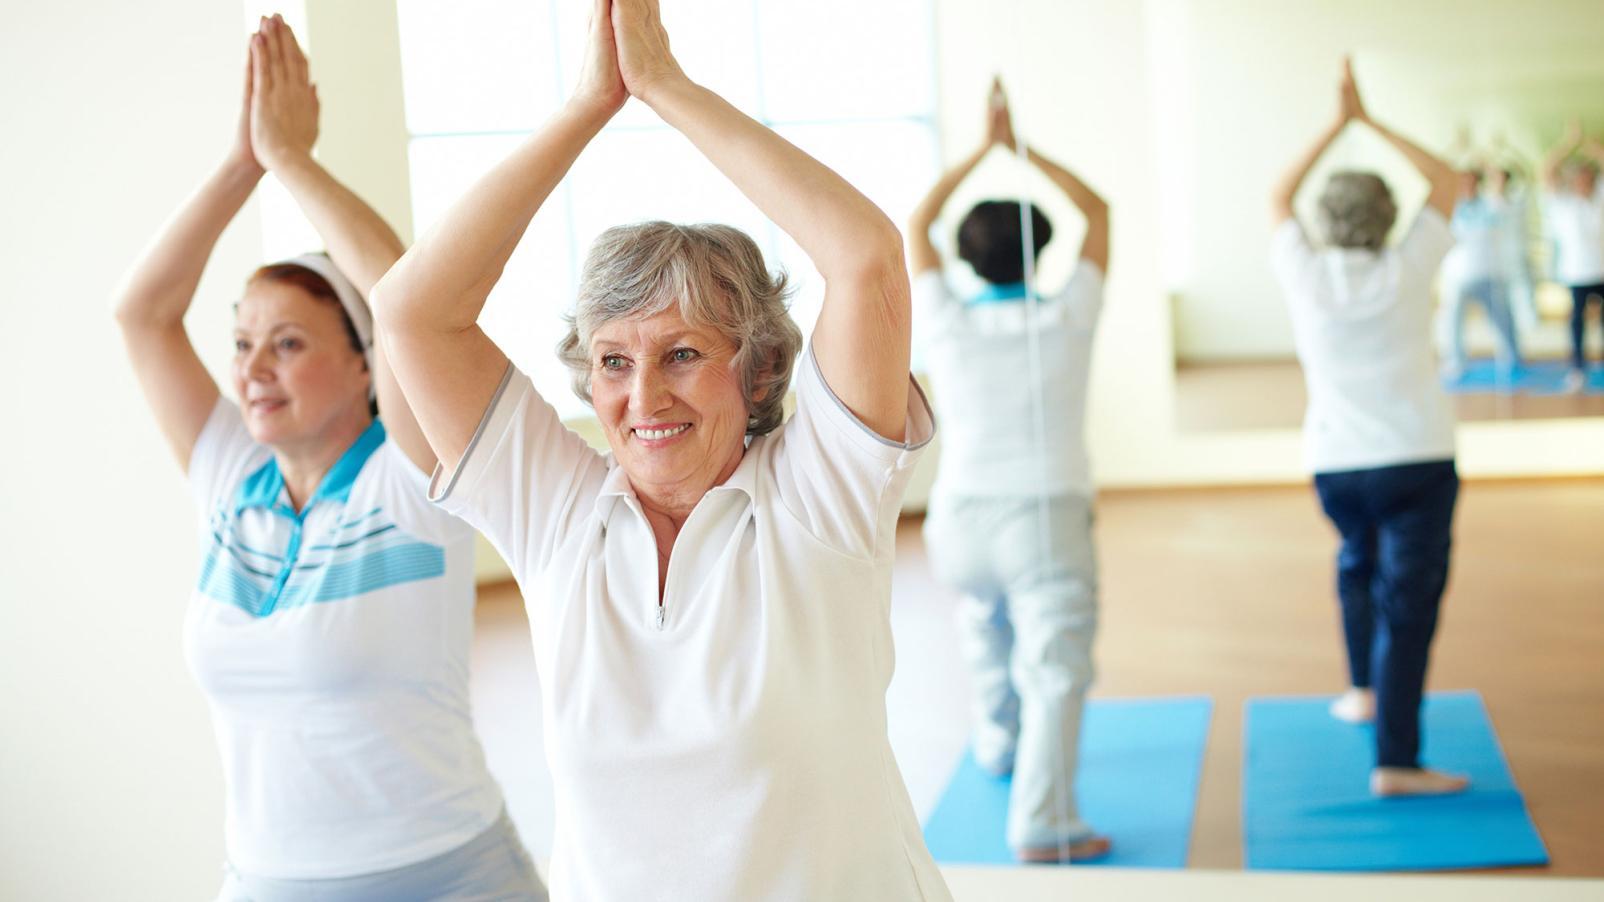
(730, 744)
(978, 359)
(1576, 224)
(332, 647)
(1361, 321)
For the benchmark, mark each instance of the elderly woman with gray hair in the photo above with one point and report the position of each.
(709, 602)
(1378, 432)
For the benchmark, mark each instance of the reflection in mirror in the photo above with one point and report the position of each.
(1502, 316)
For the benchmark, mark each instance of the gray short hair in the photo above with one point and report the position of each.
(1357, 210)
(716, 276)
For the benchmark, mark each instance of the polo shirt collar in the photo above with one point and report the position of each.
(1001, 292)
(263, 487)
(616, 486)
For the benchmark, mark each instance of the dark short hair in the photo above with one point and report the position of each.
(990, 240)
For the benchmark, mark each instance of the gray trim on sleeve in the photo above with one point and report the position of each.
(467, 453)
(853, 418)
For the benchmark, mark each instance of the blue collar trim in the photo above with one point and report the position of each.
(1001, 292)
(263, 487)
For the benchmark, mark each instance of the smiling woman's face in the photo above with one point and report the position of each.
(295, 372)
(669, 398)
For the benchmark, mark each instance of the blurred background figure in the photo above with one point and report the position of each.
(1010, 518)
(1573, 207)
(1485, 266)
(330, 626)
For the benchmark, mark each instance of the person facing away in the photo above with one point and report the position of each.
(1379, 431)
(1573, 208)
(1010, 519)
(1483, 269)
(709, 603)
(330, 626)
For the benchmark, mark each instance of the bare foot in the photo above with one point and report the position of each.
(1088, 849)
(1355, 706)
(1414, 781)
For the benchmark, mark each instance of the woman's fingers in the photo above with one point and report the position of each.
(295, 60)
(259, 75)
(274, 34)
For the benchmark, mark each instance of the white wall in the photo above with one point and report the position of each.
(110, 781)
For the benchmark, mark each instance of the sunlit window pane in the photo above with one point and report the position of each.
(858, 96)
(711, 38)
(845, 59)
(629, 176)
(477, 65)
(524, 313)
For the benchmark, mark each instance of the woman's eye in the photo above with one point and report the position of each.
(680, 355)
(241, 346)
(289, 344)
(612, 362)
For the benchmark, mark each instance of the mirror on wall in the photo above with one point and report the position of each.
(1487, 86)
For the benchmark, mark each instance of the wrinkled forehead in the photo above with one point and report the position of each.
(654, 332)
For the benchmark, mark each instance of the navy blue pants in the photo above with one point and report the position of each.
(1395, 524)
(1582, 297)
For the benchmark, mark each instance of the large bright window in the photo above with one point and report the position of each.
(852, 83)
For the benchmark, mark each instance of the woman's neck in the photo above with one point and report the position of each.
(303, 466)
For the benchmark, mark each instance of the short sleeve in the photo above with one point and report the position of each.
(524, 480)
(1292, 257)
(223, 455)
(1426, 244)
(1082, 296)
(405, 490)
(835, 474)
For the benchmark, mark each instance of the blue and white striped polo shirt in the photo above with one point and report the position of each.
(332, 645)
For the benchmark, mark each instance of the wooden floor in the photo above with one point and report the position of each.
(1227, 593)
(1270, 395)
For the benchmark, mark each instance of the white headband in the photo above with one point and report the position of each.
(350, 299)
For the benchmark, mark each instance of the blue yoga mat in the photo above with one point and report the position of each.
(1139, 766)
(1306, 803)
(1543, 377)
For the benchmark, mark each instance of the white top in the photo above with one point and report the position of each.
(1488, 244)
(333, 651)
(1576, 224)
(1361, 321)
(978, 359)
(731, 743)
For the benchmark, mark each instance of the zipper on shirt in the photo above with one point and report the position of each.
(291, 554)
(660, 615)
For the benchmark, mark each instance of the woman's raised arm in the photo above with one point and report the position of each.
(427, 306)
(157, 292)
(284, 126)
(862, 337)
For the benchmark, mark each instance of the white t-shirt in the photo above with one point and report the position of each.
(1577, 226)
(1487, 240)
(978, 359)
(333, 651)
(1362, 325)
(731, 743)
